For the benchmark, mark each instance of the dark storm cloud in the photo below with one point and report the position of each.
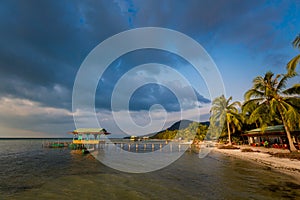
(151, 94)
(146, 97)
(43, 43)
(248, 23)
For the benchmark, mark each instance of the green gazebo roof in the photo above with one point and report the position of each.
(277, 128)
(90, 130)
(270, 130)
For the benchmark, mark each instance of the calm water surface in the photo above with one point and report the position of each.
(28, 171)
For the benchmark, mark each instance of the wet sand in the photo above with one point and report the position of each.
(264, 157)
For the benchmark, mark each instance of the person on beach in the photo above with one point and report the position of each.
(266, 143)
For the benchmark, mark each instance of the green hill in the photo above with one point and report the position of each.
(185, 129)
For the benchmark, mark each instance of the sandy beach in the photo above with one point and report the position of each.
(262, 156)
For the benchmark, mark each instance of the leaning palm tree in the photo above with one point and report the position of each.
(223, 112)
(268, 95)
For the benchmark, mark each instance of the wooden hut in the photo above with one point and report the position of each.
(275, 135)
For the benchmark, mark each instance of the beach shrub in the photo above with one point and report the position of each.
(249, 150)
(292, 155)
(228, 147)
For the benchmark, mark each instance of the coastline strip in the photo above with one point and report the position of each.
(284, 165)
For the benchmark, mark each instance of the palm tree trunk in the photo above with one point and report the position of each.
(288, 134)
(229, 135)
(292, 147)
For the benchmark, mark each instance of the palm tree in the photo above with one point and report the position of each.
(223, 112)
(268, 96)
(258, 118)
(291, 66)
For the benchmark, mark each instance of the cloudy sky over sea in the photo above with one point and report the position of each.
(44, 43)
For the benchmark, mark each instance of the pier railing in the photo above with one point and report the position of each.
(132, 146)
(145, 146)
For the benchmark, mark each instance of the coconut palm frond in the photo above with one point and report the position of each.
(257, 101)
(291, 66)
(233, 107)
(268, 77)
(294, 101)
(252, 103)
(292, 115)
(296, 42)
(259, 83)
(295, 89)
(234, 104)
(228, 100)
(273, 104)
(253, 93)
(257, 113)
(282, 83)
(275, 81)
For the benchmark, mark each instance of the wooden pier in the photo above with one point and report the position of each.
(147, 146)
(89, 140)
(136, 146)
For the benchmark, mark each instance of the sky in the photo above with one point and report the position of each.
(43, 45)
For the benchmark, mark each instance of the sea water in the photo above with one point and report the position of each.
(29, 171)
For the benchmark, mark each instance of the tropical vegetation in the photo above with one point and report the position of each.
(224, 112)
(270, 101)
(269, 97)
(291, 66)
(195, 130)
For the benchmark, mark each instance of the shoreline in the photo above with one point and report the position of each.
(285, 165)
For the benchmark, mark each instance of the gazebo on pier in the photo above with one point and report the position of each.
(88, 135)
